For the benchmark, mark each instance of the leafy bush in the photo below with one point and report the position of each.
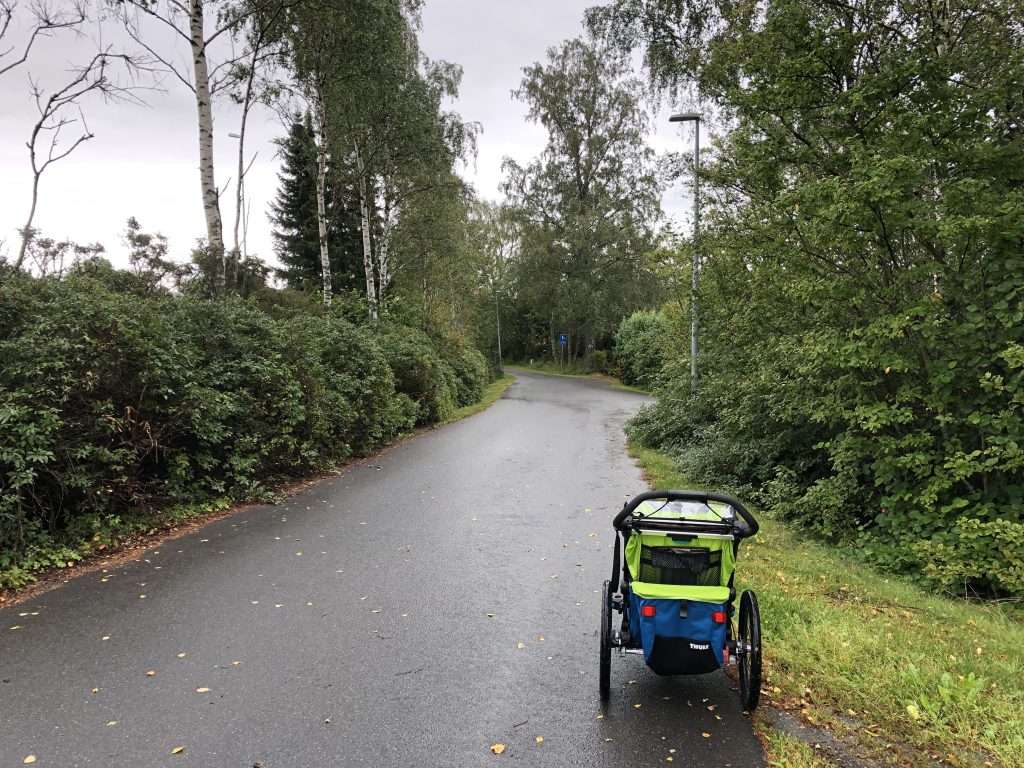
(597, 361)
(420, 372)
(472, 372)
(976, 552)
(116, 402)
(641, 347)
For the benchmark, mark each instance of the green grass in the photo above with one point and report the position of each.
(553, 369)
(493, 391)
(876, 658)
(785, 751)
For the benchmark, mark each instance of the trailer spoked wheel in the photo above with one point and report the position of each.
(606, 641)
(748, 648)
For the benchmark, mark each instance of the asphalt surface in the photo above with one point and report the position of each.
(413, 611)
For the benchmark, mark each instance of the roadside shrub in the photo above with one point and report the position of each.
(115, 403)
(420, 372)
(976, 552)
(472, 372)
(640, 348)
(597, 361)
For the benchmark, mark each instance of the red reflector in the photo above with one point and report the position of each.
(718, 617)
(648, 611)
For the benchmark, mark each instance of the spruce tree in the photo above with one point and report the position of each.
(293, 214)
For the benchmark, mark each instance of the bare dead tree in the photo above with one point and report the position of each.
(46, 20)
(60, 112)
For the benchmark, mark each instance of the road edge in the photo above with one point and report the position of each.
(135, 544)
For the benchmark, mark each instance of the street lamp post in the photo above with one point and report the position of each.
(695, 118)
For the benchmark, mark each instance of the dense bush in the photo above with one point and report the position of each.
(472, 372)
(115, 401)
(641, 347)
(420, 372)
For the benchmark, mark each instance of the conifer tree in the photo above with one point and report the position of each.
(294, 216)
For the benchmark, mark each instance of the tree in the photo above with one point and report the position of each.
(56, 110)
(45, 21)
(294, 215)
(186, 20)
(864, 260)
(589, 203)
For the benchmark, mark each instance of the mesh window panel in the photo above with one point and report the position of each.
(689, 566)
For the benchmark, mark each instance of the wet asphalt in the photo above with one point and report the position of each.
(414, 610)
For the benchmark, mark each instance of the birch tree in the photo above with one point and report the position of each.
(204, 26)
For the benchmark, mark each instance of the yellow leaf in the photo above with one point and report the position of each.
(29, 759)
(177, 750)
(151, 673)
(706, 735)
(637, 706)
(111, 722)
(913, 711)
(202, 690)
(539, 739)
(520, 645)
(497, 748)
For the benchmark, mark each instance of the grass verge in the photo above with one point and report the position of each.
(493, 391)
(117, 537)
(908, 677)
(553, 369)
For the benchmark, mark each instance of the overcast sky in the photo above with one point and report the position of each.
(143, 160)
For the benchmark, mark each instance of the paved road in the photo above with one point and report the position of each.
(410, 612)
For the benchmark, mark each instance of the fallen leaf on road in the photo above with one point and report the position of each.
(539, 739)
(16, 626)
(95, 690)
(600, 717)
(29, 759)
(202, 690)
(235, 663)
(142, 597)
(497, 748)
(181, 655)
(637, 706)
(177, 750)
(706, 735)
(520, 645)
(151, 673)
(111, 722)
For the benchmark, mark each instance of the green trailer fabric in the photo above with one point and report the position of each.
(704, 593)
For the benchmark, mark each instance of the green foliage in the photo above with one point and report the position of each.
(421, 373)
(294, 216)
(118, 400)
(862, 310)
(585, 208)
(642, 347)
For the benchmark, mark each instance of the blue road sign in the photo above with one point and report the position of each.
(563, 339)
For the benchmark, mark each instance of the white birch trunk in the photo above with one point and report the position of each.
(211, 198)
(364, 215)
(321, 192)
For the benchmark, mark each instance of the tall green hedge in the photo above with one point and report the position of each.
(115, 403)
